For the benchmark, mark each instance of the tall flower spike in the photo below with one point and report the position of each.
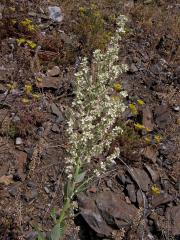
(91, 126)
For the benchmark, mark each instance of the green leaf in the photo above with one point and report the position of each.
(40, 237)
(53, 214)
(57, 232)
(68, 189)
(80, 177)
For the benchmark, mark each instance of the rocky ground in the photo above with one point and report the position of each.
(139, 199)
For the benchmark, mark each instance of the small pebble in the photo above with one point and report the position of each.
(176, 108)
(16, 119)
(19, 141)
(46, 190)
(55, 13)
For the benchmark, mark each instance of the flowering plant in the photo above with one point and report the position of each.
(91, 125)
(92, 119)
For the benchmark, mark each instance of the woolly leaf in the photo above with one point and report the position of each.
(57, 232)
(53, 214)
(80, 177)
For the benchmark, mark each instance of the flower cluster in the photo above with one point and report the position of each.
(26, 42)
(92, 123)
(28, 24)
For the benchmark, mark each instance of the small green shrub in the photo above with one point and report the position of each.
(91, 29)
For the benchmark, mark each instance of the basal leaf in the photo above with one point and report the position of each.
(80, 177)
(57, 232)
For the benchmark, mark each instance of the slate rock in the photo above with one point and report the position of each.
(140, 177)
(161, 199)
(150, 153)
(148, 120)
(92, 216)
(131, 192)
(122, 179)
(55, 110)
(31, 195)
(154, 175)
(173, 215)
(13, 191)
(21, 159)
(31, 184)
(114, 210)
(54, 72)
(49, 83)
(55, 128)
(3, 89)
(133, 68)
(140, 200)
(148, 1)
(128, 5)
(162, 116)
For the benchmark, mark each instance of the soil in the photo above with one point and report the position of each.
(33, 141)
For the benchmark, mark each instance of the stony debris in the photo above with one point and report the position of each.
(14, 190)
(123, 179)
(46, 189)
(92, 189)
(31, 194)
(4, 169)
(133, 68)
(114, 210)
(107, 211)
(1, 10)
(162, 116)
(148, 120)
(92, 216)
(55, 128)
(55, 110)
(173, 214)
(131, 192)
(54, 72)
(6, 179)
(150, 153)
(176, 108)
(148, 1)
(154, 175)
(19, 141)
(161, 199)
(55, 13)
(49, 83)
(3, 89)
(140, 199)
(140, 177)
(31, 184)
(21, 159)
(129, 4)
(16, 119)
(150, 77)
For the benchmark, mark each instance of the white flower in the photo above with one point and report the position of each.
(124, 94)
(91, 126)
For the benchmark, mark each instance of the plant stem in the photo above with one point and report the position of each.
(64, 210)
